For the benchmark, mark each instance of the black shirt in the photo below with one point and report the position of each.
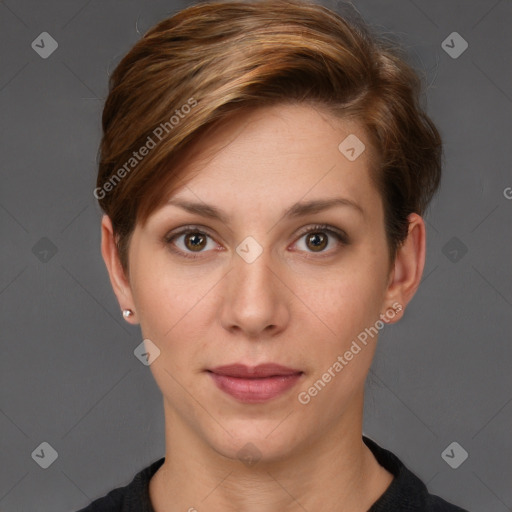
(406, 492)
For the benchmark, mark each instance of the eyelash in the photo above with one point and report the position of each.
(340, 236)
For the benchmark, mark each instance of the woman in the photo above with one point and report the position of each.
(264, 171)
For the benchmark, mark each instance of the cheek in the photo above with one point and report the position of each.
(343, 343)
(171, 301)
(173, 310)
(165, 305)
(346, 303)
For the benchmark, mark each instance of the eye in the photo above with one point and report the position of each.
(190, 240)
(317, 238)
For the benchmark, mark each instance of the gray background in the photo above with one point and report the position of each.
(68, 375)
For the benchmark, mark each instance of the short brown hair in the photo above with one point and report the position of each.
(215, 59)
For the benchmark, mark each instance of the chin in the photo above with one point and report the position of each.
(254, 441)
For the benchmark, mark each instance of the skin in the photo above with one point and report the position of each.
(294, 305)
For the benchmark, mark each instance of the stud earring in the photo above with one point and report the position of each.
(127, 313)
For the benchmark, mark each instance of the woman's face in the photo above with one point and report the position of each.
(271, 279)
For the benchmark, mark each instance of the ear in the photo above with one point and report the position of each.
(118, 278)
(407, 270)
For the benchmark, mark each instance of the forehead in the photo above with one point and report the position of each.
(290, 149)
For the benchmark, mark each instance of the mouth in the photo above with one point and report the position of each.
(255, 384)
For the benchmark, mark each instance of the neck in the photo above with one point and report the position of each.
(334, 472)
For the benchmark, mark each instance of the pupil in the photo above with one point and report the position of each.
(195, 241)
(317, 240)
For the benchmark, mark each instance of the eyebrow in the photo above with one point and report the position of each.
(299, 209)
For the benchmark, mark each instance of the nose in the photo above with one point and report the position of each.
(256, 302)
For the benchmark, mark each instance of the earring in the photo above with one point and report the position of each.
(127, 313)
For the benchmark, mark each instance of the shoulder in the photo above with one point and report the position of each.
(112, 502)
(406, 493)
(133, 497)
(437, 504)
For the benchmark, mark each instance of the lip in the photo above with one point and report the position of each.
(255, 384)
(242, 371)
